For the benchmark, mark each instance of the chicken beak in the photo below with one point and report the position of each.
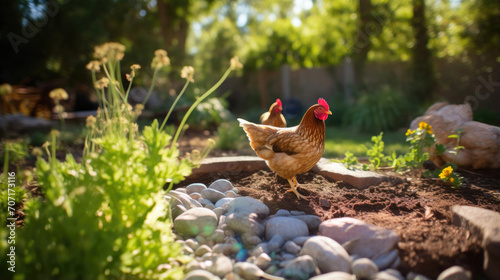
(329, 112)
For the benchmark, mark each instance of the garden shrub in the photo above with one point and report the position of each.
(378, 110)
(106, 217)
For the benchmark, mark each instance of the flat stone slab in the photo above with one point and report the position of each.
(357, 178)
(485, 225)
(331, 170)
(230, 164)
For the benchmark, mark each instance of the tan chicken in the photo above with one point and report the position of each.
(294, 150)
(274, 116)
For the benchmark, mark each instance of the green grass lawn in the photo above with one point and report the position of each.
(340, 140)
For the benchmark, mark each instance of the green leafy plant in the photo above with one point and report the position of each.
(378, 110)
(106, 217)
(376, 151)
(421, 140)
(229, 136)
(350, 161)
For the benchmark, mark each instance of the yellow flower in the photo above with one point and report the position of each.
(446, 172)
(187, 73)
(94, 66)
(58, 94)
(235, 63)
(135, 67)
(426, 126)
(408, 132)
(451, 179)
(161, 59)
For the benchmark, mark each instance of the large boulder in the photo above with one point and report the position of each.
(481, 141)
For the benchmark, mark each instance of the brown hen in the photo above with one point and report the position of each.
(294, 150)
(274, 117)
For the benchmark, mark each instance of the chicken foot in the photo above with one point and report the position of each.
(294, 184)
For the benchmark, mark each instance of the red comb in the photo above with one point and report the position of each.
(279, 102)
(323, 103)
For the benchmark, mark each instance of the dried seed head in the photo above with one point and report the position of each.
(235, 63)
(187, 73)
(58, 94)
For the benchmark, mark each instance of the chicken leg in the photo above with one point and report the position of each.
(294, 184)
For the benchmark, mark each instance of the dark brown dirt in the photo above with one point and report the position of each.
(418, 209)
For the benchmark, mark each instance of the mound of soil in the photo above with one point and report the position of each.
(418, 209)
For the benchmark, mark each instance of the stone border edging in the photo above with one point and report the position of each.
(331, 170)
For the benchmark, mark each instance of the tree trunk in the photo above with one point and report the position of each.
(422, 70)
(174, 27)
(362, 42)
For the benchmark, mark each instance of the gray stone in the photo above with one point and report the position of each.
(192, 243)
(196, 221)
(259, 249)
(312, 221)
(182, 190)
(226, 249)
(210, 206)
(186, 200)
(221, 185)
(195, 196)
(231, 194)
(286, 256)
(389, 274)
(245, 223)
(289, 228)
(219, 211)
(300, 240)
(328, 254)
(202, 250)
(195, 188)
(221, 265)
(177, 210)
(337, 275)
(356, 178)
(223, 201)
(291, 247)
(200, 275)
(250, 240)
(383, 275)
(365, 240)
(364, 268)
(297, 213)
(232, 276)
(386, 260)
(218, 236)
(250, 271)
(455, 273)
(283, 213)
(212, 195)
(204, 202)
(484, 224)
(275, 243)
(247, 205)
(194, 265)
(301, 268)
(263, 261)
(415, 276)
